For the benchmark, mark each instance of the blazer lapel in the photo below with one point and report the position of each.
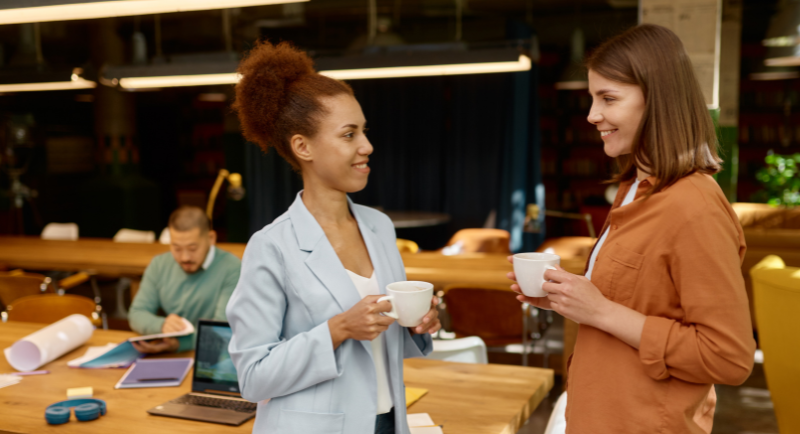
(385, 275)
(322, 260)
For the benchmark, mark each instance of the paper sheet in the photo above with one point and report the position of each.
(49, 343)
(419, 419)
(427, 430)
(9, 380)
(421, 423)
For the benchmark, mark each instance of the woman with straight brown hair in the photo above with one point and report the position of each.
(662, 307)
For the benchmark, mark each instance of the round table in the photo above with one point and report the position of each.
(417, 219)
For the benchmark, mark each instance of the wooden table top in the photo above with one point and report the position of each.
(98, 255)
(104, 256)
(475, 268)
(465, 398)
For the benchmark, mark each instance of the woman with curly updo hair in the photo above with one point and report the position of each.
(309, 341)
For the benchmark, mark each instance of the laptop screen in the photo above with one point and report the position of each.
(213, 367)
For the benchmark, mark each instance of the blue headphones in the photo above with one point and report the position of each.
(85, 410)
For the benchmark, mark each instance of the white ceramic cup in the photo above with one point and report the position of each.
(530, 268)
(411, 300)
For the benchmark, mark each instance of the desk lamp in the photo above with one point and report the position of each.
(533, 224)
(235, 189)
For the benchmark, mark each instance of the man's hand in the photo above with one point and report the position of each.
(173, 323)
(157, 346)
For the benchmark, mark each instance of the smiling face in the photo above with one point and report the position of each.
(617, 110)
(338, 154)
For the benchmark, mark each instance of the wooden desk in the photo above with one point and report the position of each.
(466, 399)
(99, 255)
(476, 268)
(103, 256)
(477, 399)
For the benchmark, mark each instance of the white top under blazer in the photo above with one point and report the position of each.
(367, 287)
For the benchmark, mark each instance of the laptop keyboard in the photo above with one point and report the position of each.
(227, 404)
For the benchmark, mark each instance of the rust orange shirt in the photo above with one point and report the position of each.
(676, 258)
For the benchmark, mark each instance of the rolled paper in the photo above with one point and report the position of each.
(49, 343)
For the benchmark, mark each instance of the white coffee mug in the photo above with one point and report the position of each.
(530, 268)
(411, 300)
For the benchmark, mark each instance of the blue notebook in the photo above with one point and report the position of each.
(119, 356)
(155, 373)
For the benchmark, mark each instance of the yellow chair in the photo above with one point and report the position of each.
(776, 293)
(407, 246)
(49, 308)
(480, 240)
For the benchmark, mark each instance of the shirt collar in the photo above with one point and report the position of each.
(650, 180)
(209, 257)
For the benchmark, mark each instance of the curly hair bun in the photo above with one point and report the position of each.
(278, 95)
(266, 74)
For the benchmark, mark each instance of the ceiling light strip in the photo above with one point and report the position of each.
(53, 85)
(121, 8)
(178, 80)
(522, 64)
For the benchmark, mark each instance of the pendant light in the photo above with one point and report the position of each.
(783, 35)
(575, 76)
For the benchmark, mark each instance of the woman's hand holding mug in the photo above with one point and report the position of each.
(574, 297)
(362, 322)
(430, 322)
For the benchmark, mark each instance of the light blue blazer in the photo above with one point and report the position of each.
(291, 283)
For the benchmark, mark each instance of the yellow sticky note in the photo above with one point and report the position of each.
(80, 392)
(413, 395)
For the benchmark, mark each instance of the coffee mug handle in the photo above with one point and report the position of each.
(393, 312)
(548, 267)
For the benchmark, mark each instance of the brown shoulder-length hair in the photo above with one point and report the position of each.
(676, 136)
(279, 95)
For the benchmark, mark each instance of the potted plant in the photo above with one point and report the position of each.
(781, 180)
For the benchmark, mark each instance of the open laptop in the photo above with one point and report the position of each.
(215, 393)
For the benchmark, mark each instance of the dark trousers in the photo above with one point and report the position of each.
(384, 423)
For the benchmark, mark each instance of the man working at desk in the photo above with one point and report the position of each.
(194, 281)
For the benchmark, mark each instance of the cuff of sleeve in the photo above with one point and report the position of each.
(424, 343)
(416, 345)
(653, 346)
(325, 352)
(155, 327)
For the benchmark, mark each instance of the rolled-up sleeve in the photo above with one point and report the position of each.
(267, 365)
(714, 341)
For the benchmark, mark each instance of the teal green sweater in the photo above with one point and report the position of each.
(201, 295)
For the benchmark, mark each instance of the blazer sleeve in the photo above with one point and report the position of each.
(267, 364)
(416, 345)
(714, 343)
(413, 345)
